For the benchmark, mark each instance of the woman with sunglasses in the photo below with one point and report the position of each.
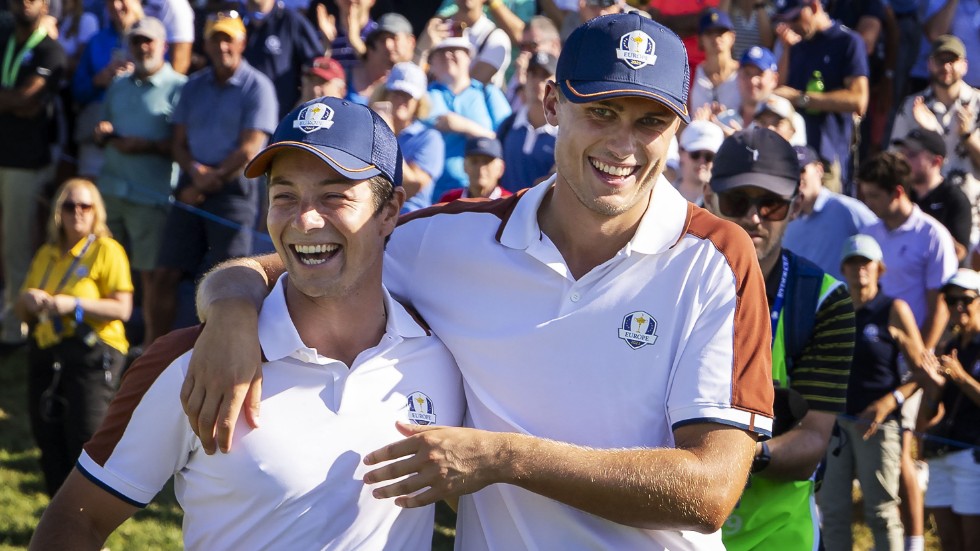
(77, 294)
(867, 441)
(951, 412)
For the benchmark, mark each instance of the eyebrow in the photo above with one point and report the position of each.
(281, 181)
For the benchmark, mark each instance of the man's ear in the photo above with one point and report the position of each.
(550, 103)
(391, 210)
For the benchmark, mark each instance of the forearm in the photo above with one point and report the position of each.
(645, 488)
(180, 57)
(414, 179)
(60, 529)
(969, 386)
(796, 453)
(506, 20)
(552, 11)
(941, 21)
(972, 146)
(107, 309)
(240, 279)
(934, 324)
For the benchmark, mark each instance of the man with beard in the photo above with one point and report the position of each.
(139, 172)
(951, 107)
(32, 67)
(755, 184)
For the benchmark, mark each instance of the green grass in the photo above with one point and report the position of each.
(22, 497)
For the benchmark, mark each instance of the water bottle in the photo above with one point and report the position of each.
(814, 85)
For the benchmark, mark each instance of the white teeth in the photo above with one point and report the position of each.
(312, 261)
(612, 170)
(315, 249)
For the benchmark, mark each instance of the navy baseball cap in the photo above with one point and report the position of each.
(715, 19)
(484, 146)
(763, 58)
(756, 157)
(625, 54)
(920, 139)
(349, 137)
(788, 10)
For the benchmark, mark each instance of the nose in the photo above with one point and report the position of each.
(621, 143)
(309, 219)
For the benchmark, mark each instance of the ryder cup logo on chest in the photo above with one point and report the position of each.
(637, 49)
(314, 118)
(638, 329)
(420, 409)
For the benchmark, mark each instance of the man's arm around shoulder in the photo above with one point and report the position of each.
(81, 516)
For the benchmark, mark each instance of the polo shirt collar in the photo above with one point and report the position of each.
(823, 196)
(159, 77)
(279, 338)
(912, 221)
(237, 78)
(661, 226)
(521, 121)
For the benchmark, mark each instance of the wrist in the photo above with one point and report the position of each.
(762, 458)
(899, 398)
(495, 4)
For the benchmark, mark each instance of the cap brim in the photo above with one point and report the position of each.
(776, 184)
(788, 15)
(346, 164)
(585, 91)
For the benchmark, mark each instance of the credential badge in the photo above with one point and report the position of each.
(637, 49)
(638, 330)
(314, 118)
(420, 410)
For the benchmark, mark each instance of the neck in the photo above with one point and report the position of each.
(469, 17)
(690, 189)
(768, 264)
(929, 183)
(718, 63)
(457, 85)
(948, 94)
(376, 69)
(863, 295)
(822, 24)
(585, 238)
(222, 74)
(747, 111)
(399, 124)
(325, 323)
(23, 32)
(806, 206)
(896, 219)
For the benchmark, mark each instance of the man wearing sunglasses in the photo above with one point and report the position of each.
(754, 183)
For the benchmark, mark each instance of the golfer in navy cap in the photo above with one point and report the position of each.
(342, 363)
(612, 337)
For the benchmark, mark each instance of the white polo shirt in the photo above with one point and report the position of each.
(672, 330)
(296, 482)
(919, 257)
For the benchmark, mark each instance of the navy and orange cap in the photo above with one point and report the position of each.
(621, 55)
(349, 137)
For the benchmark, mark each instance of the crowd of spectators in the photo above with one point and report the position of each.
(162, 103)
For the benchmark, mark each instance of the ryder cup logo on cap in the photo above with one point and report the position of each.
(351, 138)
(636, 49)
(314, 117)
(624, 55)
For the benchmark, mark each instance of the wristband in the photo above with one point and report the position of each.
(78, 311)
(494, 4)
(899, 398)
(761, 461)
(966, 135)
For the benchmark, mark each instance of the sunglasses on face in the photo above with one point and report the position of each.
(736, 204)
(71, 206)
(706, 156)
(954, 301)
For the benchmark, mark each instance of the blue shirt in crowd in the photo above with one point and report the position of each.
(529, 153)
(819, 236)
(423, 147)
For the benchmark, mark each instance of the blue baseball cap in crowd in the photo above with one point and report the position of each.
(484, 146)
(806, 155)
(763, 58)
(788, 10)
(756, 157)
(625, 54)
(349, 137)
(715, 19)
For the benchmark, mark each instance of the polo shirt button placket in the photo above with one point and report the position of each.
(574, 297)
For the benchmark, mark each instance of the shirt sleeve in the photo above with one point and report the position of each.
(496, 49)
(823, 369)
(961, 215)
(942, 262)
(135, 459)
(309, 44)
(857, 57)
(430, 155)
(497, 106)
(111, 271)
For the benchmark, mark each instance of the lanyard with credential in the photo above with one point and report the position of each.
(777, 303)
(11, 65)
(64, 280)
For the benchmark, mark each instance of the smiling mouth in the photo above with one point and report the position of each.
(314, 255)
(612, 170)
